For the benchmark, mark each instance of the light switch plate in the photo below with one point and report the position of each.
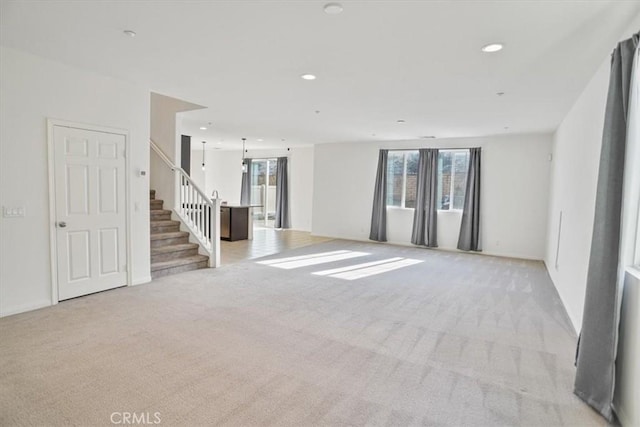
(13, 212)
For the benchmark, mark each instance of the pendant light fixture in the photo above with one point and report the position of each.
(203, 142)
(244, 164)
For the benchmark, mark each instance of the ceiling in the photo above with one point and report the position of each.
(376, 63)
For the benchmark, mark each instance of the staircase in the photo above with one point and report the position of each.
(171, 252)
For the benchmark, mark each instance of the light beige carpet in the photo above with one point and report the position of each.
(461, 340)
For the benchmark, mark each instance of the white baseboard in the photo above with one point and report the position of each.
(410, 245)
(24, 308)
(141, 280)
(623, 417)
(506, 255)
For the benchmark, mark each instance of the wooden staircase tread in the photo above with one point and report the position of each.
(169, 235)
(173, 248)
(178, 262)
(164, 222)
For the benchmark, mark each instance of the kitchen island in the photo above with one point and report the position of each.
(236, 222)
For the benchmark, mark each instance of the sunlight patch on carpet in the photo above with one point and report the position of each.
(313, 259)
(376, 269)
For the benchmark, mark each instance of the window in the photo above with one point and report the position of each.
(402, 178)
(452, 178)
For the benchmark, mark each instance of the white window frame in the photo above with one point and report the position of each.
(453, 171)
(637, 251)
(403, 197)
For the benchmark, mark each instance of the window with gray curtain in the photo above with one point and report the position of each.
(469, 239)
(245, 189)
(425, 216)
(282, 194)
(453, 165)
(379, 212)
(596, 355)
(402, 176)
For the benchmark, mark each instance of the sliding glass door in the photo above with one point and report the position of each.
(263, 191)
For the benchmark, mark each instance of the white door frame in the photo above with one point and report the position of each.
(51, 123)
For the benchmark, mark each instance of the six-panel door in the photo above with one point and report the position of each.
(90, 211)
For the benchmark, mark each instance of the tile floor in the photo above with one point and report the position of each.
(266, 241)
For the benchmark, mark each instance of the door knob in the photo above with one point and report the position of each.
(62, 224)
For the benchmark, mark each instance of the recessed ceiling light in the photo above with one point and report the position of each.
(203, 128)
(493, 47)
(130, 33)
(308, 77)
(219, 143)
(401, 121)
(259, 139)
(333, 8)
(427, 137)
(499, 93)
(506, 127)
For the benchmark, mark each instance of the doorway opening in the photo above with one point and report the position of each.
(263, 191)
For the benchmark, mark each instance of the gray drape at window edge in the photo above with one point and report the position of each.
(425, 216)
(596, 354)
(379, 212)
(245, 190)
(469, 239)
(282, 194)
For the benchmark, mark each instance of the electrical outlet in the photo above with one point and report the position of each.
(13, 212)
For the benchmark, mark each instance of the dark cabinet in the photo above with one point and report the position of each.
(234, 223)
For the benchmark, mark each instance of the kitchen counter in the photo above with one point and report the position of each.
(234, 222)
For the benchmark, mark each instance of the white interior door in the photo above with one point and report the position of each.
(90, 211)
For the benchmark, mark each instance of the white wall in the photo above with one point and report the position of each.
(515, 170)
(163, 133)
(166, 122)
(34, 89)
(574, 176)
(301, 187)
(223, 172)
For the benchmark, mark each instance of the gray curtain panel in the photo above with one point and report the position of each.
(425, 216)
(282, 194)
(379, 213)
(469, 239)
(245, 190)
(596, 355)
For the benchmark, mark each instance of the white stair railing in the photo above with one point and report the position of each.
(199, 213)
